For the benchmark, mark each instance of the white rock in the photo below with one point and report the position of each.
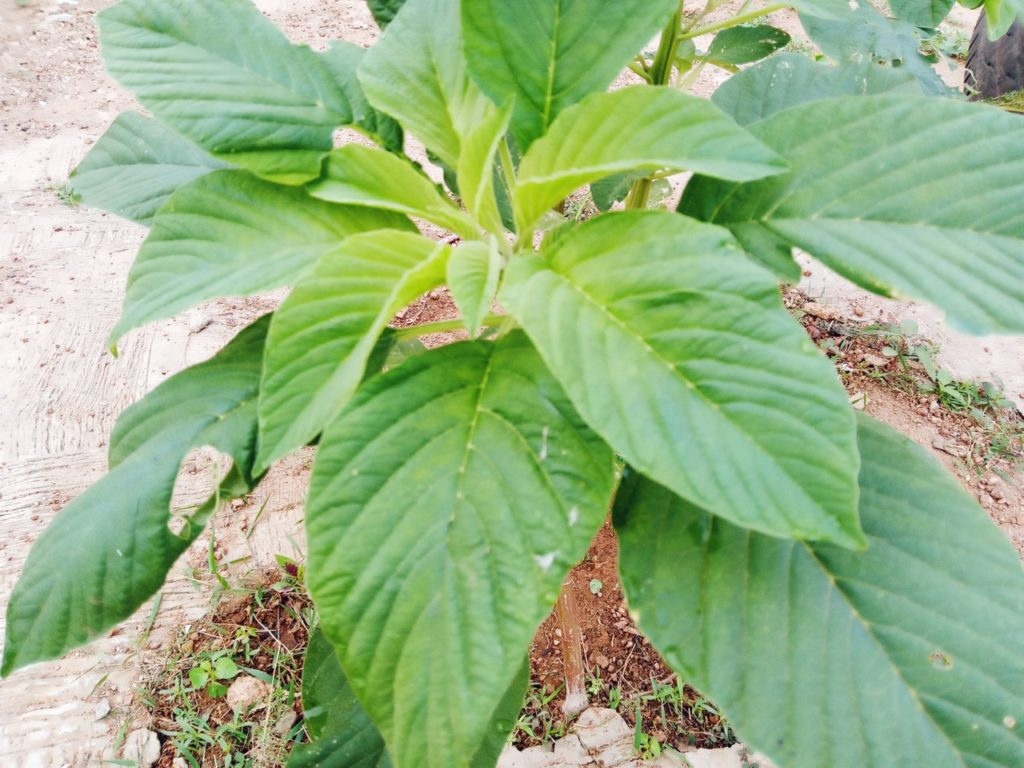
(247, 693)
(142, 746)
(715, 758)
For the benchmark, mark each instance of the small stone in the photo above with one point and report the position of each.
(822, 311)
(237, 504)
(558, 633)
(602, 661)
(991, 480)
(102, 709)
(247, 693)
(142, 746)
(285, 722)
(875, 361)
(997, 492)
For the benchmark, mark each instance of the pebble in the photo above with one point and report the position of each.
(602, 661)
(997, 493)
(247, 693)
(142, 746)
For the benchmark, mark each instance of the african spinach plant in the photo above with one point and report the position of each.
(816, 574)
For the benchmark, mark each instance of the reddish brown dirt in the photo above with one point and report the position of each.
(623, 671)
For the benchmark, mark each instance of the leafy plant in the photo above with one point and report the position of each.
(211, 671)
(800, 565)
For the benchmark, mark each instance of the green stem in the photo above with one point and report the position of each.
(660, 73)
(440, 326)
(732, 21)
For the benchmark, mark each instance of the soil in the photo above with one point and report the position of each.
(62, 271)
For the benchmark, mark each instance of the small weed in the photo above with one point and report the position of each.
(948, 42)
(65, 194)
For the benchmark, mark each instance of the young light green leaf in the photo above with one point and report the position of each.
(612, 189)
(448, 501)
(476, 171)
(228, 234)
(707, 384)
(325, 331)
(804, 644)
(473, 272)
(915, 196)
(136, 165)
(545, 56)
(634, 128)
(110, 549)
(416, 73)
(228, 92)
(366, 176)
(341, 733)
(788, 79)
(745, 44)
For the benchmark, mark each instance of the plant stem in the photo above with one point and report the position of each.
(732, 21)
(572, 651)
(659, 74)
(440, 326)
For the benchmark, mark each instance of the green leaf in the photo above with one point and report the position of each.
(476, 172)
(788, 79)
(448, 501)
(1000, 15)
(612, 189)
(343, 59)
(744, 44)
(341, 733)
(136, 165)
(384, 11)
(110, 549)
(228, 234)
(890, 192)
(224, 668)
(634, 128)
(323, 334)
(365, 176)
(921, 13)
(908, 653)
(867, 34)
(417, 74)
(198, 677)
(473, 272)
(677, 350)
(544, 56)
(229, 92)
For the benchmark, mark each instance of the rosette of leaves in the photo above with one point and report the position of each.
(816, 575)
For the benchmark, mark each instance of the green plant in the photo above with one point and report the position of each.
(796, 563)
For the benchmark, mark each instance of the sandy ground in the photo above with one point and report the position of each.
(62, 272)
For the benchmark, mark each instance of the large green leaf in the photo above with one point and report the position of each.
(788, 79)
(110, 549)
(677, 350)
(341, 733)
(136, 165)
(448, 502)
(417, 74)
(921, 13)
(343, 59)
(635, 128)
(228, 234)
(907, 654)
(545, 55)
(358, 175)
(324, 332)
(867, 34)
(915, 196)
(473, 272)
(222, 74)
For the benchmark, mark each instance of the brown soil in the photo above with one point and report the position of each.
(623, 671)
